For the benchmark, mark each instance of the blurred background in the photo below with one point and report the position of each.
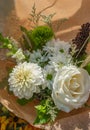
(14, 13)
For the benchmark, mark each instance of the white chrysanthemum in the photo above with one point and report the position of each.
(19, 56)
(59, 60)
(37, 57)
(25, 80)
(55, 46)
(58, 52)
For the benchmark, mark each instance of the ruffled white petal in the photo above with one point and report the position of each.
(25, 80)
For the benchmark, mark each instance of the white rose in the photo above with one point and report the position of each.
(71, 88)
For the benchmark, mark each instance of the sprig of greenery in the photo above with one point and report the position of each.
(48, 19)
(46, 112)
(8, 43)
(35, 16)
(76, 61)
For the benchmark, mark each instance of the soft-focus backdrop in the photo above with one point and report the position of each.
(16, 12)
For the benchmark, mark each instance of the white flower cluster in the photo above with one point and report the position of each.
(38, 57)
(51, 67)
(58, 52)
(19, 56)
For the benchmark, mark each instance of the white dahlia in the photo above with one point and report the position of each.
(25, 80)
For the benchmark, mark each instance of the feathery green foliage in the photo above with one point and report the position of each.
(46, 112)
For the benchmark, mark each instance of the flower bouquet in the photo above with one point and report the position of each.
(45, 74)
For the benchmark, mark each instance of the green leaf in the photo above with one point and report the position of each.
(27, 44)
(44, 119)
(24, 101)
(49, 77)
(61, 50)
(87, 68)
(41, 108)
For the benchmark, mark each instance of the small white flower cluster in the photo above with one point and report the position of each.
(38, 57)
(19, 56)
(56, 46)
(58, 52)
(58, 56)
(51, 67)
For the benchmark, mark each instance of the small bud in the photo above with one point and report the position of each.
(9, 46)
